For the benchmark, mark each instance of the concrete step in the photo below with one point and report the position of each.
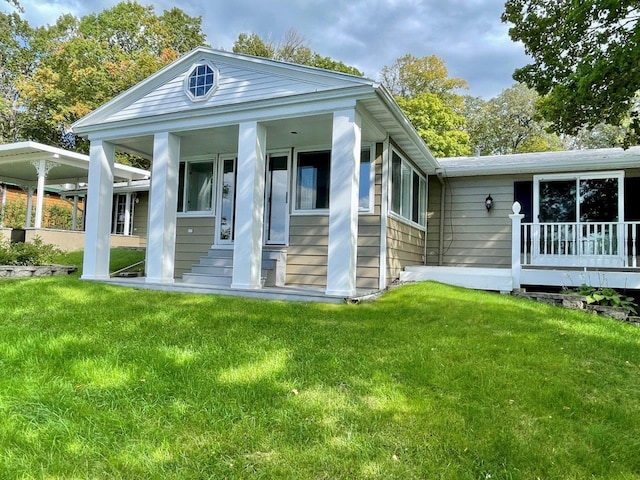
(214, 270)
(204, 279)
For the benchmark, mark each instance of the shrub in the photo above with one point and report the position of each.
(35, 252)
(15, 214)
(58, 217)
(607, 297)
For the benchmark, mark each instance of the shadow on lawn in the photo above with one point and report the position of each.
(428, 381)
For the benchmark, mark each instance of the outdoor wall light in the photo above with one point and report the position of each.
(488, 202)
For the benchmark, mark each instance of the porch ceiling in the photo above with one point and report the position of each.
(309, 131)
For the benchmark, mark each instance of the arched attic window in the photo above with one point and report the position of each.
(201, 81)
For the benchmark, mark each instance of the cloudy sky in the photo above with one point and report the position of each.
(367, 34)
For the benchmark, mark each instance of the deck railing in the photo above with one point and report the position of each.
(572, 244)
(606, 244)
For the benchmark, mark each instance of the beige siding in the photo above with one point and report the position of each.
(307, 252)
(194, 236)
(472, 236)
(405, 246)
(309, 240)
(140, 217)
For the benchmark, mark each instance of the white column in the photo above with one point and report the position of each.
(97, 240)
(3, 203)
(42, 174)
(516, 222)
(74, 214)
(127, 214)
(27, 222)
(247, 247)
(163, 203)
(343, 203)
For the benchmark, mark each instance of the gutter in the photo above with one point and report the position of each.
(443, 187)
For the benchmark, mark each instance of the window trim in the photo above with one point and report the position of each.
(199, 213)
(413, 170)
(577, 176)
(214, 87)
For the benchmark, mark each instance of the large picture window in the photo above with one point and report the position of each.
(312, 180)
(408, 191)
(195, 187)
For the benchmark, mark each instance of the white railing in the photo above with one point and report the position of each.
(573, 244)
(606, 244)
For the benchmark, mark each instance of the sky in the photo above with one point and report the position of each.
(367, 34)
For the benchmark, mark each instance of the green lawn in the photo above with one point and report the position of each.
(427, 382)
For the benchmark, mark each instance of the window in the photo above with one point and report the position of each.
(195, 187)
(201, 81)
(584, 198)
(408, 191)
(367, 172)
(312, 180)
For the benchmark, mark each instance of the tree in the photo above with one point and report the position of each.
(16, 60)
(410, 76)
(508, 123)
(585, 59)
(85, 62)
(16, 4)
(292, 48)
(439, 125)
(428, 97)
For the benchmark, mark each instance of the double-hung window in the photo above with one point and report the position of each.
(195, 187)
(408, 191)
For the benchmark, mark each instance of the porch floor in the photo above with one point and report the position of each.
(286, 293)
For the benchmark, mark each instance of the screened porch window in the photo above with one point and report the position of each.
(195, 187)
(408, 191)
(312, 180)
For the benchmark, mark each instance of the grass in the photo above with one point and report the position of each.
(427, 382)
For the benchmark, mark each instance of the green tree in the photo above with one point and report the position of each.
(292, 48)
(508, 123)
(430, 100)
(438, 124)
(16, 61)
(85, 62)
(585, 59)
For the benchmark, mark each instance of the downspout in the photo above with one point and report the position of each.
(443, 187)
(3, 203)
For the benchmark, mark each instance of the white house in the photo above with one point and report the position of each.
(263, 173)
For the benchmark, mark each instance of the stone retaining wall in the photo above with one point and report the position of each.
(20, 271)
(578, 302)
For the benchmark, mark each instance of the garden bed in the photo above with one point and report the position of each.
(579, 302)
(24, 271)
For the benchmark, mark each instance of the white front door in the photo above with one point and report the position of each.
(276, 221)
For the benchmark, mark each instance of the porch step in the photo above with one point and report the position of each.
(216, 268)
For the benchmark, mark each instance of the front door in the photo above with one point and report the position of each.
(225, 218)
(277, 200)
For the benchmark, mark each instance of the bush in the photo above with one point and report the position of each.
(35, 252)
(607, 297)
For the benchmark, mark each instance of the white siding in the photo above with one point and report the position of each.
(236, 85)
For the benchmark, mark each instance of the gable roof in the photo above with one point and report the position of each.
(541, 162)
(242, 79)
(247, 85)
